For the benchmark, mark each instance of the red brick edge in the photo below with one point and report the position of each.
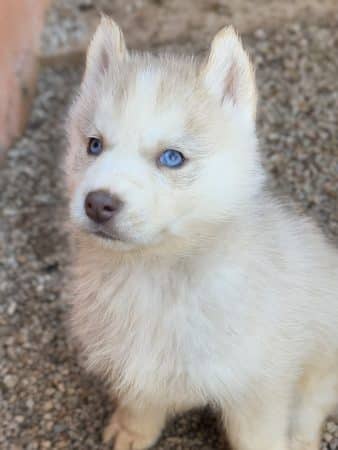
(21, 23)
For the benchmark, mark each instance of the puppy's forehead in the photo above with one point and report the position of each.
(149, 105)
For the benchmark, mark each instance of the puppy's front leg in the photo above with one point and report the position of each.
(134, 429)
(261, 424)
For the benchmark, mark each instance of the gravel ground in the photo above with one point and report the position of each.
(71, 22)
(47, 402)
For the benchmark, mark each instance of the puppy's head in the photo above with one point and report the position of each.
(162, 148)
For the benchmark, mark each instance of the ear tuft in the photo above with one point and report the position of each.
(228, 73)
(106, 47)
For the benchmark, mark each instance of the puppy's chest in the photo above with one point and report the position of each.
(162, 332)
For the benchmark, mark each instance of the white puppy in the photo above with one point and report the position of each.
(192, 285)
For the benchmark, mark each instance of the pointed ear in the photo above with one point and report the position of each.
(228, 73)
(107, 47)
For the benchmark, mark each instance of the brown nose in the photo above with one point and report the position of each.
(101, 206)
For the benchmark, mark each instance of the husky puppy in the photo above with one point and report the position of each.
(192, 284)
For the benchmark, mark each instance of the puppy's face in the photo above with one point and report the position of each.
(162, 149)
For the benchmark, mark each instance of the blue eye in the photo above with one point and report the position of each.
(171, 158)
(94, 146)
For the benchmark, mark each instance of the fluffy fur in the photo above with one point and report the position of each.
(210, 292)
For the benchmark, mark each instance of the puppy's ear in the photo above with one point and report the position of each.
(106, 48)
(228, 73)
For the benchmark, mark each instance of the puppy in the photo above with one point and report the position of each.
(192, 284)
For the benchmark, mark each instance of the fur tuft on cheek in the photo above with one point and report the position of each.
(231, 181)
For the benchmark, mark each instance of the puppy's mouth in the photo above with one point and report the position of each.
(105, 235)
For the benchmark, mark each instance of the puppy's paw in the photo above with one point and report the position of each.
(128, 435)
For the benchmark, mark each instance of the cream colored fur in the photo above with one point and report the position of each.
(214, 293)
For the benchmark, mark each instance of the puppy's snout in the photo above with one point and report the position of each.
(101, 206)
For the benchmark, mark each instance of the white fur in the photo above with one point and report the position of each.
(215, 293)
